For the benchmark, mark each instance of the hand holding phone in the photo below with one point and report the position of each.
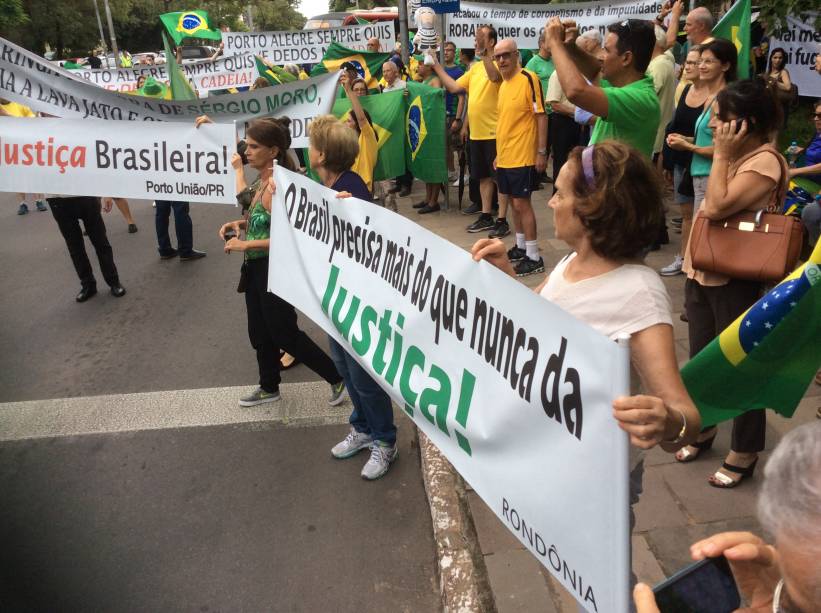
(707, 586)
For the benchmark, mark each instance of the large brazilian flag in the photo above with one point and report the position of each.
(425, 142)
(767, 357)
(367, 64)
(189, 24)
(735, 27)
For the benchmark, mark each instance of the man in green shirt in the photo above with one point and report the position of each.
(628, 110)
(541, 63)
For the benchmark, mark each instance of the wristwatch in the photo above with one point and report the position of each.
(542, 152)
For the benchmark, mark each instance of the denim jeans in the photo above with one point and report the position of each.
(372, 409)
(182, 224)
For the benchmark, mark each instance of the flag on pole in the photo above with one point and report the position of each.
(387, 112)
(767, 357)
(367, 64)
(425, 142)
(735, 27)
(275, 75)
(189, 24)
(180, 87)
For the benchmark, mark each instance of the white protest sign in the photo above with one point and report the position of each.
(222, 73)
(524, 22)
(307, 46)
(80, 157)
(801, 41)
(29, 79)
(514, 391)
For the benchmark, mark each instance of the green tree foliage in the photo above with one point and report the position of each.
(11, 14)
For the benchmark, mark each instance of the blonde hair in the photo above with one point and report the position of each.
(336, 141)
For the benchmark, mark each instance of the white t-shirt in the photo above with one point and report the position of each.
(627, 299)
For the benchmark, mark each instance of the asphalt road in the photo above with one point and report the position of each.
(181, 325)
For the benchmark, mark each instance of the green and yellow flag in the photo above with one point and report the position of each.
(368, 65)
(767, 357)
(180, 87)
(189, 24)
(425, 133)
(275, 75)
(387, 112)
(735, 27)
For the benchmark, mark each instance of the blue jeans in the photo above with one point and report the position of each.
(372, 409)
(182, 225)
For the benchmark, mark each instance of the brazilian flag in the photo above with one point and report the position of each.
(387, 112)
(368, 65)
(735, 27)
(189, 24)
(767, 357)
(425, 133)
(180, 87)
(275, 75)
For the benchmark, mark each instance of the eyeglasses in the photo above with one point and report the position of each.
(815, 115)
(505, 56)
(626, 24)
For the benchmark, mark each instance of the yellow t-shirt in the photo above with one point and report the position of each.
(483, 95)
(17, 110)
(519, 104)
(366, 160)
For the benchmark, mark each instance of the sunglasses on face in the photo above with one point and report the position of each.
(505, 56)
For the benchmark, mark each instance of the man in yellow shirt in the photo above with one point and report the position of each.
(14, 109)
(521, 153)
(481, 84)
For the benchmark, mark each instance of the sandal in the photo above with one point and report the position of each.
(690, 452)
(722, 481)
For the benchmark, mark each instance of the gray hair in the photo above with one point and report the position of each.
(592, 35)
(291, 68)
(703, 16)
(789, 503)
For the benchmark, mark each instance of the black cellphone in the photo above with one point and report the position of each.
(739, 121)
(708, 586)
(229, 234)
(241, 147)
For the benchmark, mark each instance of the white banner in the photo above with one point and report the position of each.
(307, 46)
(78, 157)
(524, 22)
(801, 41)
(29, 79)
(224, 72)
(515, 392)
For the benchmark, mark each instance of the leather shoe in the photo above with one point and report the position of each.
(85, 294)
(118, 291)
(419, 205)
(169, 255)
(429, 209)
(192, 255)
(404, 192)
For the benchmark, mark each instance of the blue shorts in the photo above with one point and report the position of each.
(516, 182)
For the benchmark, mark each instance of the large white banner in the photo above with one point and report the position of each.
(307, 46)
(801, 41)
(29, 79)
(524, 22)
(514, 391)
(80, 157)
(222, 73)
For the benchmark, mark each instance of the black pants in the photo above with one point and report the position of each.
(566, 135)
(709, 311)
(67, 213)
(272, 326)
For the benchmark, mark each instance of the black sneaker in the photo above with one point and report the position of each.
(483, 224)
(429, 209)
(473, 209)
(500, 230)
(192, 255)
(529, 267)
(514, 254)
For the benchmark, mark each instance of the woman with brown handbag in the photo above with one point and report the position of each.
(747, 174)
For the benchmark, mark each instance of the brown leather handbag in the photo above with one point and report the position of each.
(753, 245)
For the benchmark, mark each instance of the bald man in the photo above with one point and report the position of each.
(698, 26)
(373, 45)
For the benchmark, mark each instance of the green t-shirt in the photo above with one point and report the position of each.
(633, 116)
(543, 69)
(258, 228)
(700, 166)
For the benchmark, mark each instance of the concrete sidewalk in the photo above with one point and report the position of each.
(677, 506)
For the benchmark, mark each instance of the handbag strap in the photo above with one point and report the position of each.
(783, 183)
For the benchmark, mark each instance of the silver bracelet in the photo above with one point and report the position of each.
(777, 596)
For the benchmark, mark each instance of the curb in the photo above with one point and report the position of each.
(463, 580)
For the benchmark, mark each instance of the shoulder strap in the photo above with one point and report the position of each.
(783, 184)
(532, 87)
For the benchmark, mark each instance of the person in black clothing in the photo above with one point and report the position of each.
(94, 62)
(68, 211)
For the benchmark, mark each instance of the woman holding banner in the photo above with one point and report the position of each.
(272, 322)
(606, 206)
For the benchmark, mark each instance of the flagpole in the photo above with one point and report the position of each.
(441, 24)
(113, 35)
(102, 34)
(403, 31)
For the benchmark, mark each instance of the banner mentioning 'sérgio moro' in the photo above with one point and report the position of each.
(76, 157)
(515, 392)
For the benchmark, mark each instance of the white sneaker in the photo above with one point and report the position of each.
(381, 458)
(672, 269)
(353, 444)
